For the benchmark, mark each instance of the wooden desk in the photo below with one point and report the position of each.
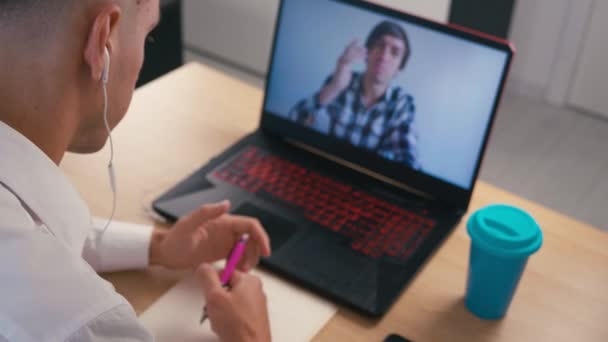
(178, 122)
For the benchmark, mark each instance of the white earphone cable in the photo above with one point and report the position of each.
(110, 165)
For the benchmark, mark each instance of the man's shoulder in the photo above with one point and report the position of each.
(47, 290)
(399, 94)
(12, 212)
(402, 100)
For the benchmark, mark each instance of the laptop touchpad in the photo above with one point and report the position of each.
(279, 229)
(320, 257)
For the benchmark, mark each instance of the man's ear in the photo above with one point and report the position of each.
(101, 33)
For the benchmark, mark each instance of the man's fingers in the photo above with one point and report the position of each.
(349, 48)
(208, 212)
(254, 228)
(353, 52)
(209, 278)
(236, 278)
(251, 258)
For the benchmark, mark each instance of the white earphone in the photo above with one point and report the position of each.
(105, 75)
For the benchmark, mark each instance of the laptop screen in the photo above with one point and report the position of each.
(409, 93)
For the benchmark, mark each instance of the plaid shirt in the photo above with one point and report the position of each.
(385, 128)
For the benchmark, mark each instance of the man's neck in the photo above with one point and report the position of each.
(37, 121)
(39, 136)
(372, 90)
(36, 98)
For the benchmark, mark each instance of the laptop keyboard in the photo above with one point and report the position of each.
(375, 227)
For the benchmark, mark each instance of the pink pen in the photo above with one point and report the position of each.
(233, 260)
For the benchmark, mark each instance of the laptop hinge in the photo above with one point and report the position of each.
(361, 169)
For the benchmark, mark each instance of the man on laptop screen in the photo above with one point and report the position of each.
(364, 108)
(415, 95)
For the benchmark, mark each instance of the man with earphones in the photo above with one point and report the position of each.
(67, 73)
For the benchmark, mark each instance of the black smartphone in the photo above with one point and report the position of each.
(396, 338)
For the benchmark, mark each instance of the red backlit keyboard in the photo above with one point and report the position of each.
(376, 227)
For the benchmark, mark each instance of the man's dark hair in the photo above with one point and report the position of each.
(11, 5)
(11, 10)
(38, 17)
(388, 28)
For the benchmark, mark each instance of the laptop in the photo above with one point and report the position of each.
(372, 133)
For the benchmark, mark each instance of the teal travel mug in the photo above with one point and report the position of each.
(502, 239)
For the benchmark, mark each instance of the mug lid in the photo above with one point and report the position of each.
(505, 230)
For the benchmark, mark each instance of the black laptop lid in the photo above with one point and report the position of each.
(416, 103)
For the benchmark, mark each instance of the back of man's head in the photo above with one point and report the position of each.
(52, 62)
(33, 17)
(13, 10)
(11, 5)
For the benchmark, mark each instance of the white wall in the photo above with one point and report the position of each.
(589, 84)
(438, 10)
(240, 31)
(545, 33)
(536, 31)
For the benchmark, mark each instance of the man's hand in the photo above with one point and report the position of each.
(341, 78)
(207, 235)
(240, 314)
(352, 54)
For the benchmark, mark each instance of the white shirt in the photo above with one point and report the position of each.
(50, 252)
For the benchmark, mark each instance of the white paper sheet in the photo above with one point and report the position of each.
(295, 313)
